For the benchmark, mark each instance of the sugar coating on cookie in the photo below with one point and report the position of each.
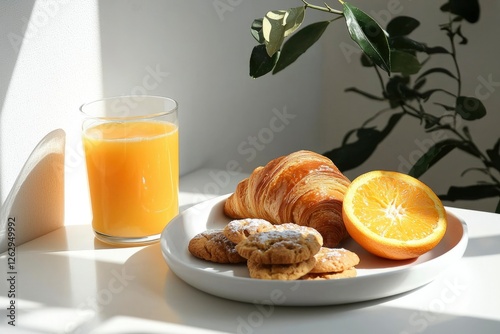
(299, 228)
(279, 247)
(212, 245)
(331, 260)
(239, 230)
(280, 271)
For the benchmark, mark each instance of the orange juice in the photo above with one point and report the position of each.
(133, 172)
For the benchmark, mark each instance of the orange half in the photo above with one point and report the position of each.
(393, 215)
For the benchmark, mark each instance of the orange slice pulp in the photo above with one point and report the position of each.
(393, 215)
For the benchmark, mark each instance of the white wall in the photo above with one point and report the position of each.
(50, 64)
(69, 52)
(57, 54)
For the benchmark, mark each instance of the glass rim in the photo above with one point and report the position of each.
(174, 108)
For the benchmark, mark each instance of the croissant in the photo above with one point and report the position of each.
(303, 187)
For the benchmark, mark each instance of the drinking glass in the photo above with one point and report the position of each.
(131, 146)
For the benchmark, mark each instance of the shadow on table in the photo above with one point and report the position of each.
(481, 246)
(192, 307)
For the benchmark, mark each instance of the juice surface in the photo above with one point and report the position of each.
(133, 171)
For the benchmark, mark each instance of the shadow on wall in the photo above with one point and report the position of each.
(35, 204)
(15, 29)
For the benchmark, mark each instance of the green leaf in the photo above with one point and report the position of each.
(404, 63)
(260, 62)
(294, 19)
(433, 155)
(273, 28)
(474, 192)
(353, 154)
(436, 153)
(370, 37)
(278, 24)
(470, 108)
(256, 30)
(298, 43)
(402, 26)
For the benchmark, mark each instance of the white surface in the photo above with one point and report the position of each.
(376, 278)
(67, 282)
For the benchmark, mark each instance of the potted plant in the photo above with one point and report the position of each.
(402, 67)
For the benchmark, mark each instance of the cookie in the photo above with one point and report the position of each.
(333, 260)
(299, 228)
(212, 245)
(279, 247)
(239, 230)
(280, 271)
(348, 273)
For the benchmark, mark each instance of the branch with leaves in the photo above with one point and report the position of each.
(282, 40)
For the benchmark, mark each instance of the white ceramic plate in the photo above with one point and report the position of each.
(376, 277)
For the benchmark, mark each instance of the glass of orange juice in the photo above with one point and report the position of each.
(131, 146)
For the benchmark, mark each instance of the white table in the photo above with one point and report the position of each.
(67, 282)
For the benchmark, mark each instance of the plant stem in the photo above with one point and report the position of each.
(451, 36)
(327, 8)
(455, 61)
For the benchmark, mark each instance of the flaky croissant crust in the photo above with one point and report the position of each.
(303, 187)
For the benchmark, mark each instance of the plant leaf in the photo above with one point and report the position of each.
(370, 37)
(354, 154)
(298, 43)
(436, 153)
(404, 63)
(470, 108)
(273, 28)
(256, 30)
(260, 62)
(474, 192)
(402, 26)
(278, 24)
(294, 19)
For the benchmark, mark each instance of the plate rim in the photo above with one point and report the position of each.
(173, 261)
